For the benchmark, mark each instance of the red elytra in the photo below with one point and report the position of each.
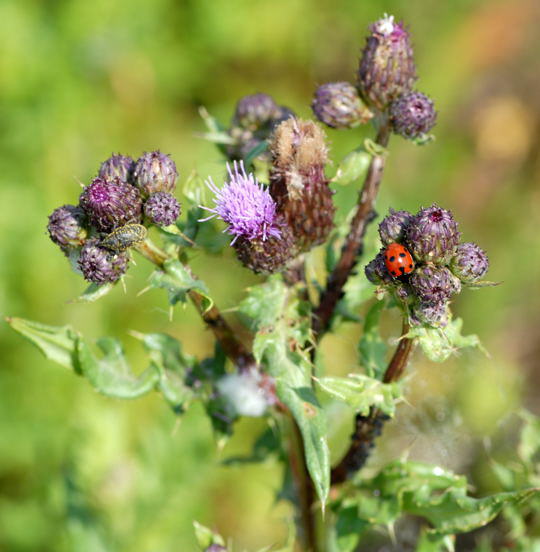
(398, 260)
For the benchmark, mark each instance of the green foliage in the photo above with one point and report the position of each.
(282, 324)
(431, 492)
(372, 348)
(438, 344)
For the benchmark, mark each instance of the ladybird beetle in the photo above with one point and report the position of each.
(124, 237)
(398, 260)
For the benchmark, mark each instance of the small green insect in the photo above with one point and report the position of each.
(124, 237)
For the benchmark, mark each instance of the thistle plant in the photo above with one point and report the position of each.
(275, 201)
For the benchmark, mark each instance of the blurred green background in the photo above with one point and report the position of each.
(81, 79)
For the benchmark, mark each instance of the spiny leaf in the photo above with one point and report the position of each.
(439, 343)
(362, 392)
(111, 374)
(178, 281)
(57, 343)
(94, 292)
(206, 537)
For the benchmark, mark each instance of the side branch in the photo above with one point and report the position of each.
(354, 243)
(367, 428)
(223, 333)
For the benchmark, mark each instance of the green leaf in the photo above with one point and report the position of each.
(94, 292)
(282, 325)
(430, 542)
(173, 366)
(362, 392)
(348, 528)
(372, 349)
(255, 152)
(353, 167)
(111, 374)
(266, 445)
(439, 343)
(57, 343)
(178, 281)
(206, 537)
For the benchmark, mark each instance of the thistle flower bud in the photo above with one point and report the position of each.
(338, 105)
(435, 315)
(412, 115)
(215, 548)
(387, 67)
(376, 271)
(109, 204)
(99, 265)
(255, 110)
(470, 262)
(433, 284)
(162, 208)
(297, 181)
(67, 227)
(392, 227)
(266, 256)
(432, 235)
(155, 172)
(117, 166)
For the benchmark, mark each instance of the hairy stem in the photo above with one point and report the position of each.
(354, 243)
(224, 334)
(367, 428)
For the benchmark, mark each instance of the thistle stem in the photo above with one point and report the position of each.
(212, 317)
(354, 243)
(367, 428)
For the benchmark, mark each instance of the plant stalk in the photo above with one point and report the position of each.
(354, 243)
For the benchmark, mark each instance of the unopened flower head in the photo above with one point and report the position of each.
(155, 172)
(245, 205)
(412, 115)
(67, 227)
(432, 235)
(392, 227)
(110, 204)
(99, 265)
(434, 284)
(387, 67)
(376, 271)
(431, 314)
(117, 166)
(338, 105)
(162, 208)
(255, 110)
(470, 262)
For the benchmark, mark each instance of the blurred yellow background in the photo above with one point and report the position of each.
(79, 80)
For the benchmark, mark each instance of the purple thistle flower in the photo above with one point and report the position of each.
(427, 314)
(67, 227)
(392, 227)
(470, 262)
(110, 204)
(155, 172)
(413, 115)
(99, 265)
(245, 205)
(162, 208)
(117, 166)
(434, 284)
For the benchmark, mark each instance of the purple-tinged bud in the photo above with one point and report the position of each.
(215, 548)
(412, 115)
(67, 227)
(392, 227)
(245, 205)
(432, 235)
(162, 208)
(99, 265)
(435, 315)
(387, 67)
(117, 166)
(269, 255)
(155, 172)
(433, 284)
(298, 183)
(110, 204)
(470, 263)
(255, 110)
(376, 271)
(338, 105)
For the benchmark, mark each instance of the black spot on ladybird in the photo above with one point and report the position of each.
(402, 268)
(402, 255)
(392, 259)
(394, 273)
(410, 266)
